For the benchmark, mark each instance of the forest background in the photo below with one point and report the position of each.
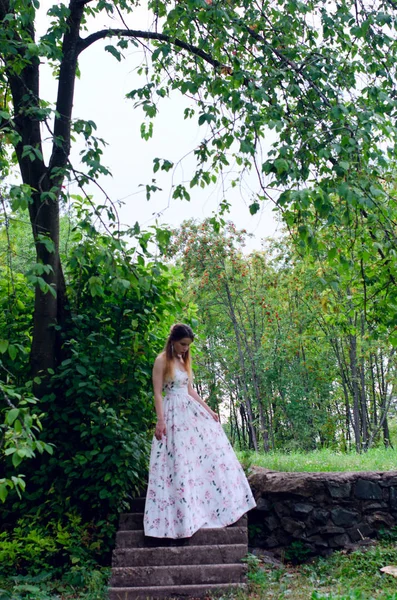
(296, 341)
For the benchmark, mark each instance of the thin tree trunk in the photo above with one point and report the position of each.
(247, 400)
(374, 407)
(364, 413)
(356, 398)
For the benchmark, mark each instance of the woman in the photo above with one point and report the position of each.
(195, 479)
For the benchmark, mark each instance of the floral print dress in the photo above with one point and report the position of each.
(195, 479)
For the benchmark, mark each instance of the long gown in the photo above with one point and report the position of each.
(195, 479)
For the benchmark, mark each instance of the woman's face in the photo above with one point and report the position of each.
(181, 346)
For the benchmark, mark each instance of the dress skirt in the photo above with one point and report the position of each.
(195, 478)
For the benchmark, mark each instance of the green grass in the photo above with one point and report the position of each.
(377, 459)
(354, 576)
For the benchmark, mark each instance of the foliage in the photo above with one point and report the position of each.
(299, 353)
(44, 587)
(318, 76)
(18, 437)
(63, 547)
(98, 413)
(297, 552)
(44, 558)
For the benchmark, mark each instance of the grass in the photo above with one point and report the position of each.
(342, 576)
(376, 459)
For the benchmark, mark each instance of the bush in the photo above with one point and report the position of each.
(64, 548)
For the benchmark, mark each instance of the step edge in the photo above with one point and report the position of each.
(147, 549)
(194, 586)
(242, 566)
(225, 528)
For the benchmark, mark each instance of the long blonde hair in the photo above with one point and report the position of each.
(178, 332)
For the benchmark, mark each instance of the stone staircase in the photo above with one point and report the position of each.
(208, 562)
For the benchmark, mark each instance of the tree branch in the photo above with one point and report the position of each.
(147, 35)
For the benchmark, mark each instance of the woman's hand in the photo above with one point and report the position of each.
(213, 414)
(160, 430)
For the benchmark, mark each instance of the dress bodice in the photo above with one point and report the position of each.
(178, 384)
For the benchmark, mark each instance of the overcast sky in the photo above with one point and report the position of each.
(100, 96)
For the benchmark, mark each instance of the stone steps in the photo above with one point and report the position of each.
(134, 520)
(148, 568)
(203, 537)
(182, 591)
(182, 555)
(176, 575)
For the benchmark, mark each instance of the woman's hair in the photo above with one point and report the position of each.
(177, 333)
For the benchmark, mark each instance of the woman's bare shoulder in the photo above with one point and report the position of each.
(160, 359)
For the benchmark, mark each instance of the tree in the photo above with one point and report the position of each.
(289, 66)
(294, 346)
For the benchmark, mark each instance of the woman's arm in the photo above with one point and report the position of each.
(192, 392)
(158, 379)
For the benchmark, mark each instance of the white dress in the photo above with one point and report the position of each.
(195, 479)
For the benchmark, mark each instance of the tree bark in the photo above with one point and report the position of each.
(45, 183)
(356, 397)
(247, 399)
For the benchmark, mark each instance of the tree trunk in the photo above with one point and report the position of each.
(356, 396)
(364, 412)
(44, 182)
(247, 399)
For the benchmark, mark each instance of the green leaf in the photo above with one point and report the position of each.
(12, 351)
(16, 459)
(254, 207)
(3, 491)
(114, 52)
(12, 415)
(3, 346)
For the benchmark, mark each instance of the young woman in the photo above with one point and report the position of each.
(195, 479)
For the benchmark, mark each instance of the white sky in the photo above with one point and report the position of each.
(100, 96)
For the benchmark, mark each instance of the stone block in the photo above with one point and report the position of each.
(292, 526)
(331, 530)
(393, 498)
(320, 515)
(389, 479)
(301, 510)
(186, 591)
(339, 541)
(176, 575)
(379, 520)
(291, 484)
(344, 517)
(271, 542)
(284, 539)
(189, 555)
(369, 507)
(263, 505)
(268, 558)
(359, 532)
(318, 541)
(339, 489)
(271, 522)
(368, 490)
(281, 509)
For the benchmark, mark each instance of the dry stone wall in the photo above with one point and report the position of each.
(320, 512)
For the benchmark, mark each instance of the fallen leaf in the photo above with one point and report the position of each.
(390, 570)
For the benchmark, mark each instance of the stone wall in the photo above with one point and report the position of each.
(320, 511)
